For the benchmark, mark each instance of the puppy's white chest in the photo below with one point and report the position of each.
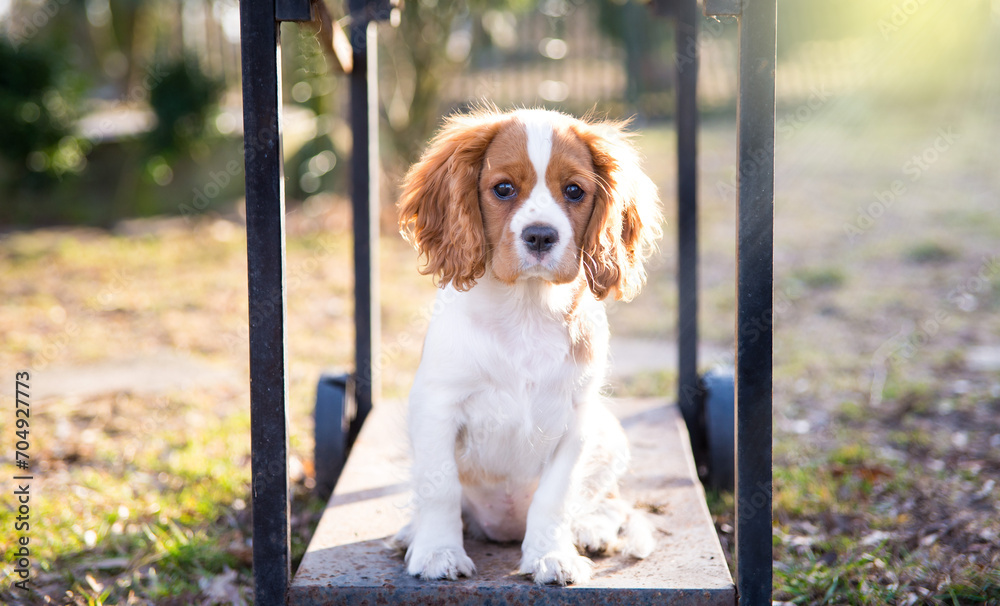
(525, 396)
(533, 360)
(523, 403)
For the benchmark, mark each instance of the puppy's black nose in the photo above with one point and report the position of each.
(539, 238)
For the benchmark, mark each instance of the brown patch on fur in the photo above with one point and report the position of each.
(472, 475)
(625, 222)
(468, 474)
(439, 207)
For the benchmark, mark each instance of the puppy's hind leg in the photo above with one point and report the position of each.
(603, 522)
(637, 535)
(401, 540)
(596, 531)
(614, 526)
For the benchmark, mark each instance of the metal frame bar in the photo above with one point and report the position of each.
(265, 208)
(754, 292)
(365, 205)
(754, 300)
(689, 388)
(265, 200)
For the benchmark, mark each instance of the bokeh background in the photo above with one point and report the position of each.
(123, 265)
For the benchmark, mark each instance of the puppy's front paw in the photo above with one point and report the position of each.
(561, 567)
(439, 563)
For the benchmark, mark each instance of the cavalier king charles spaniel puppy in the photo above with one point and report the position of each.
(528, 220)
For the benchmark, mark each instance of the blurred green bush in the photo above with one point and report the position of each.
(51, 173)
(39, 98)
(182, 101)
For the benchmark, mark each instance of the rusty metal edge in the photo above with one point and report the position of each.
(723, 8)
(446, 594)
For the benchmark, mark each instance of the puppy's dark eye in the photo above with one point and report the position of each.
(504, 191)
(573, 192)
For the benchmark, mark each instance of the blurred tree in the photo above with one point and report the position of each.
(417, 70)
(630, 24)
(430, 45)
(124, 14)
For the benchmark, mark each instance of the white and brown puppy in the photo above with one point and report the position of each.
(528, 220)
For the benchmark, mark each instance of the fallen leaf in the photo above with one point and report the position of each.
(222, 590)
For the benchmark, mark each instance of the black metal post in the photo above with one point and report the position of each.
(265, 201)
(754, 307)
(689, 390)
(365, 203)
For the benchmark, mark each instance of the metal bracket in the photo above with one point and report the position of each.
(723, 8)
(293, 10)
(363, 11)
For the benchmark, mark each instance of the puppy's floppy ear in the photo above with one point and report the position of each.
(439, 208)
(625, 223)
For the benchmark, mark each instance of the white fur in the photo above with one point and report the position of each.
(500, 400)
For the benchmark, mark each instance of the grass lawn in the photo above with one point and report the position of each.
(886, 391)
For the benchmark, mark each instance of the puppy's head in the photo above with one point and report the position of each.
(532, 194)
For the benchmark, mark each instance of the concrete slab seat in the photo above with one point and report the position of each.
(347, 561)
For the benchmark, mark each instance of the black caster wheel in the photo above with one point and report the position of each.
(720, 427)
(334, 402)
